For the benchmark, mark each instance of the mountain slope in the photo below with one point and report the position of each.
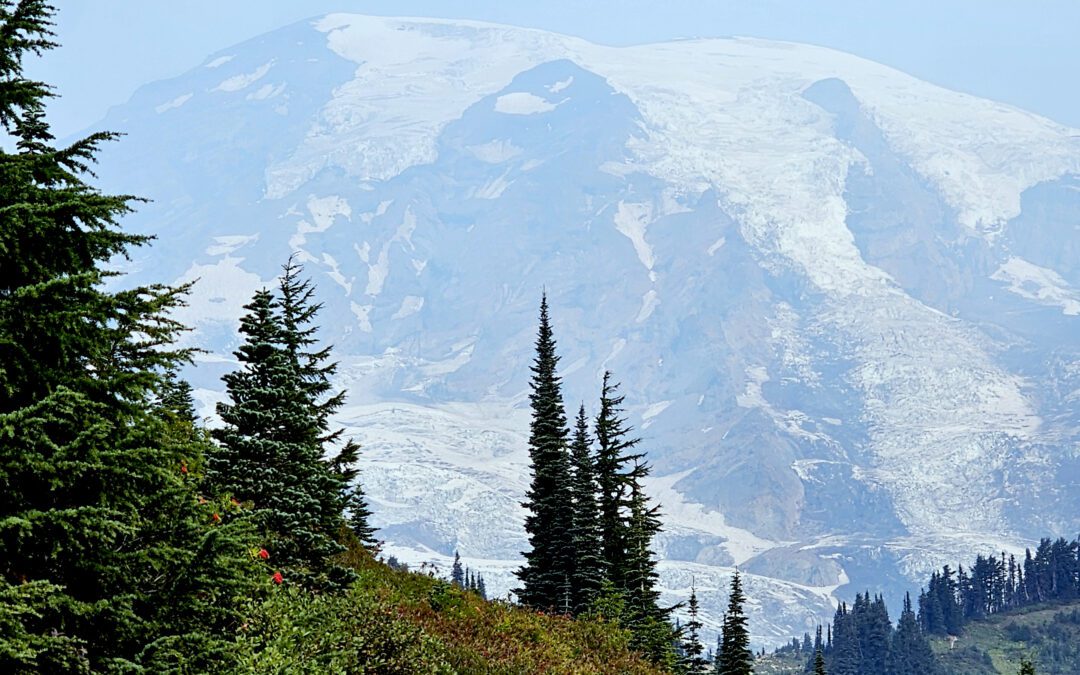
(843, 302)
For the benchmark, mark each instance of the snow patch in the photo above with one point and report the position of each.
(227, 244)
(266, 91)
(219, 61)
(716, 245)
(495, 152)
(1040, 284)
(410, 304)
(649, 301)
(244, 80)
(523, 103)
(175, 103)
(632, 220)
(363, 316)
(560, 85)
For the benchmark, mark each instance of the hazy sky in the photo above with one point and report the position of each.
(1023, 52)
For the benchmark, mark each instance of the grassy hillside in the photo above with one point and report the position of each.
(1048, 635)
(401, 622)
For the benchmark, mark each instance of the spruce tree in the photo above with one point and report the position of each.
(909, 651)
(270, 456)
(693, 651)
(546, 575)
(107, 560)
(614, 461)
(588, 563)
(819, 663)
(342, 493)
(1027, 667)
(735, 657)
(649, 624)
(457, 576)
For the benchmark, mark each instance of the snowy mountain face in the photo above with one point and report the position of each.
(844, 304)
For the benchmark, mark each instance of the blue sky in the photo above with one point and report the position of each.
(1025, 53)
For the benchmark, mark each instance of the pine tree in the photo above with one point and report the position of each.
(694, 652)
(735, 657)
(457, 576)
(1027, 667)
(588, 569)
(270, 454)
(613, 465)
(649, 624)
(342, 493)
(481, 588)
(97, 513)
(819, 663)
(546, 575)
(909, 651)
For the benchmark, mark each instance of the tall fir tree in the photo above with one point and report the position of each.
(819, 663)
(735, 657)
(342, 493)
(269, 454)
(546, 575)
(107, 561)
(457, 575)
(909, 650)
(615, 459)
(694, 660)
(588, 563)
(649, 623)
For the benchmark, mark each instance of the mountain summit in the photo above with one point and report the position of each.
(844, 303)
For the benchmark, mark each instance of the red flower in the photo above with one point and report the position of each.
(277, 578)
(216, 518)
(263, 553)
(183, 467)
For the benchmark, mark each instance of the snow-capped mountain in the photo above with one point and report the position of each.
(844, 303)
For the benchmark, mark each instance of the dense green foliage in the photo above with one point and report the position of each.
(1046, 635)
(546, 576)
(392, 621)
(107, 559)
(734, 656)
(589, 522)
(992, 585)
(275, 435)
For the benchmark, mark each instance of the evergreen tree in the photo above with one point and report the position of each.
(270, 454)
(649, 624)
(546, 575)
(342, 493)
(588, 563)
(457, 576)
(693, 651)
(819, 663)
(845, 658)
(107, 561)
(1027, 667)
(909, 652)
(481, 588)
(734, 656)
(614, 461)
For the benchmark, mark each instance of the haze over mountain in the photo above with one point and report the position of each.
(844, 304)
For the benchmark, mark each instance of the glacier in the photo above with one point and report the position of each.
(843, 302)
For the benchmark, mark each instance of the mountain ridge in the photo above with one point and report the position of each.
(826, 286)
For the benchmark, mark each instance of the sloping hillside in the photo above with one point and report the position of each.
(1048, 636)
